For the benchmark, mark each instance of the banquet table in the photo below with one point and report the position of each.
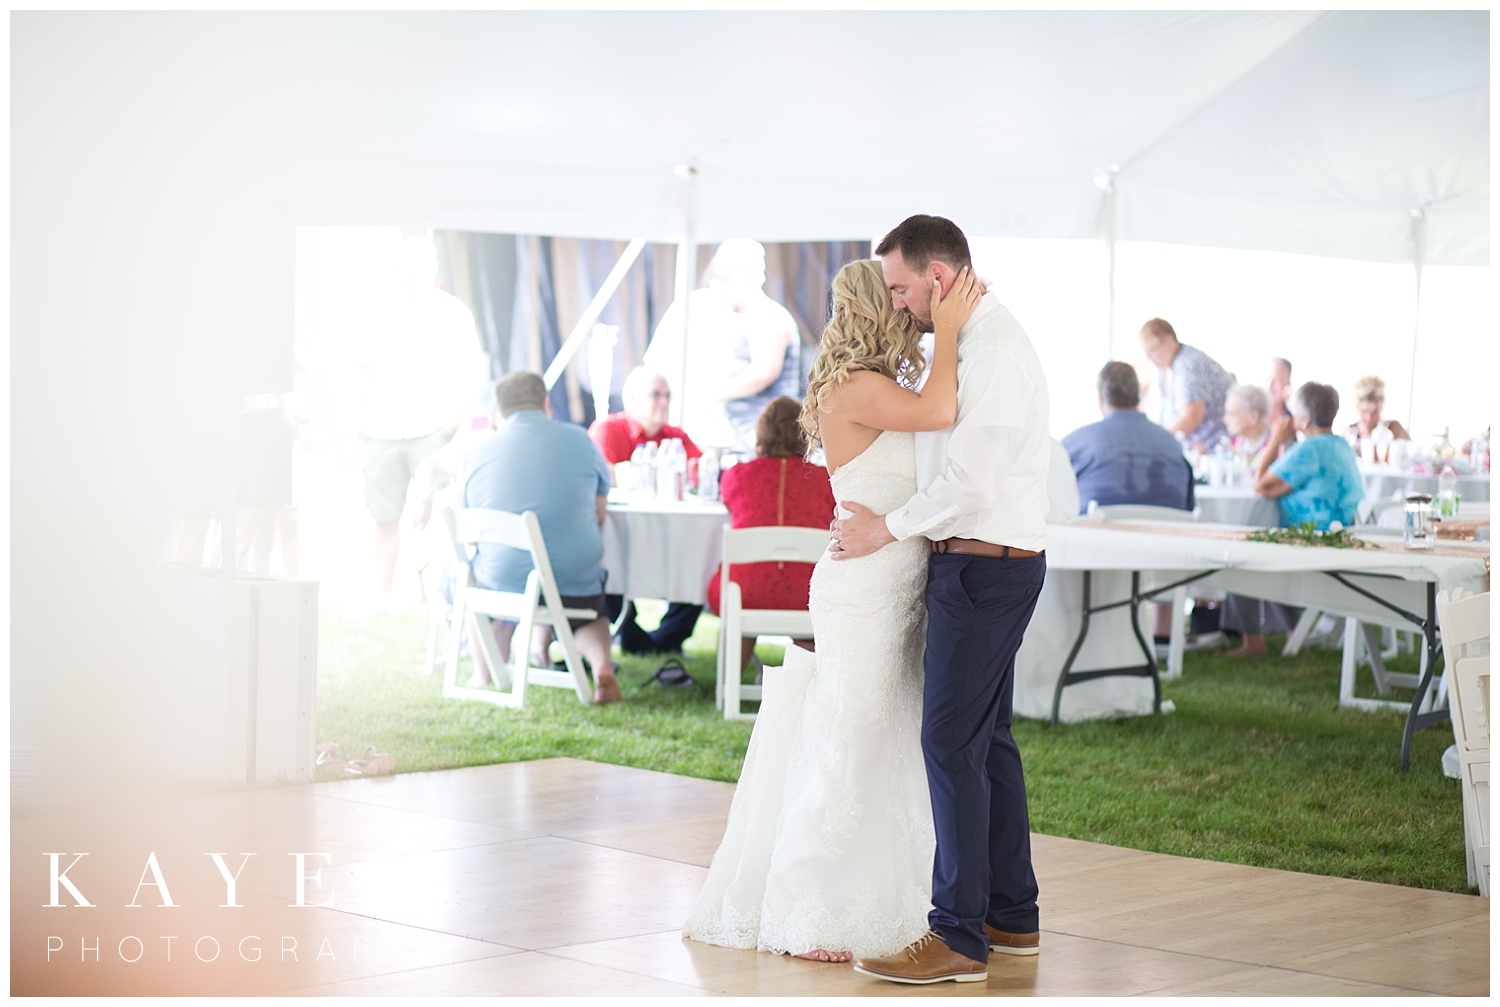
(662, 548)
(1386, 585)
(1238, 504)
(1385, 481)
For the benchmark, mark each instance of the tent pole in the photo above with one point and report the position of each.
(1108, 184)
(591, 313)
(1109, 247)
(687, 263)
(1418, 258)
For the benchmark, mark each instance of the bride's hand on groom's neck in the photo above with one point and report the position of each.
(949, 313)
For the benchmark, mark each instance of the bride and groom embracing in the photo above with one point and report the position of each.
(881, 811)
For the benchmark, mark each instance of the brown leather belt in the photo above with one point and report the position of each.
(975, 547)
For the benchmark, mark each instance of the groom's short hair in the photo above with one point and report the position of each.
(922, 239)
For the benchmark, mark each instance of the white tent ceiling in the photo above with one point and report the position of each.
(1296, 131)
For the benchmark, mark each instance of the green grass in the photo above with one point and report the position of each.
(1258, 764)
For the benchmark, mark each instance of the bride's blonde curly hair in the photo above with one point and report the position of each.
(866, 333)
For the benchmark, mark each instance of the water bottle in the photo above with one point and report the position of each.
(1448, 493)
(708, 476)
(649, 463)
(671, 470)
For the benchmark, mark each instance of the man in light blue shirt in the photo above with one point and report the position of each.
(1125, 458)
(534, 463)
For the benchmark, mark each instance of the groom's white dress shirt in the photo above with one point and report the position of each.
(985, 477)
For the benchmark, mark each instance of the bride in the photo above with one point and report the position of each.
(828, 850)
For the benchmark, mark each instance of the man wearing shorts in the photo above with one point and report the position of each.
(534, 463)
(422, 368)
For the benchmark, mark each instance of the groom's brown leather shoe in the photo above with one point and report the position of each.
(927, 960)
(1013, 944)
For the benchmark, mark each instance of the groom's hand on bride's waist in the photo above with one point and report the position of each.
(859, 534)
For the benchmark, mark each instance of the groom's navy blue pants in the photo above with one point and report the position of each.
(977, 611)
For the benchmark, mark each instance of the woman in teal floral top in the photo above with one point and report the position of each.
(1318, 478)
(1317, 482)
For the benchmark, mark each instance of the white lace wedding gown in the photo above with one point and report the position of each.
(829, 842)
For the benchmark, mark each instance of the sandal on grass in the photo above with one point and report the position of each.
(673, 675)
(373, 763)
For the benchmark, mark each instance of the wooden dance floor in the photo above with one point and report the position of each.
(565, 877)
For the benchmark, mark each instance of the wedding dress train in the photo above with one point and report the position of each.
(829, 842)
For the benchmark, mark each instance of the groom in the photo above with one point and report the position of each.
(982, 501)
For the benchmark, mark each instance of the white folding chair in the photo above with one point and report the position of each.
(1370, 514)
(1387, 511)
(537, 604)
(1149, 512)
(1464, 621)
(1360, 641)
(769, 544)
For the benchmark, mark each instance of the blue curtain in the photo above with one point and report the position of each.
(527, 292)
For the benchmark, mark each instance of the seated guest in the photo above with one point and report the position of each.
(1247, 418)
(1279, 389)
(1125, 458)
(1317, 481)
(777, 487)
(646, 397)
(534, 463)
(1190, 384)
(1369, 400)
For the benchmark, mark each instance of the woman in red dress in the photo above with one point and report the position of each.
(777, 487)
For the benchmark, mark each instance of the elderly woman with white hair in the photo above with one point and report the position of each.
(1247, 412)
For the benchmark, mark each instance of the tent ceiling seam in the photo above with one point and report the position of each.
(1254, 70)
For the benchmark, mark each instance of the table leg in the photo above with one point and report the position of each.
(1148, 669)
(1415, 720)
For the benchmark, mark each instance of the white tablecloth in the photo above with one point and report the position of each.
(1384, 481)
(1291, 574)
(1236, 505)
(658, 549)
(1110, 643)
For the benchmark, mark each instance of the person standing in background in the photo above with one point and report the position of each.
(1191, 386)
(742, 351)
(421, 366)
(1279, 389)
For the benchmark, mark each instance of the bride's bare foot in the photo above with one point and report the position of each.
(821, 955)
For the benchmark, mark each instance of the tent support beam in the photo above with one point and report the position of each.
(1418, 260)
(591, 313)
(686, 276)
(1108, 225)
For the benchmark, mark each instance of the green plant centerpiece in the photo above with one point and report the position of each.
(1336, 537)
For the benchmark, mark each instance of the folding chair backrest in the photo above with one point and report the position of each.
(1373, 511)
(774, 543)
(769, 544)
(1138, 512)
(539, 602)
(1464, 622)
(471, 526)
